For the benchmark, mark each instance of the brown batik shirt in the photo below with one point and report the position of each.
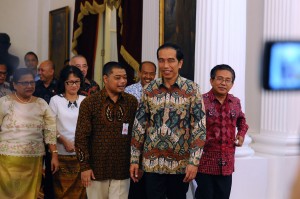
(100, 143)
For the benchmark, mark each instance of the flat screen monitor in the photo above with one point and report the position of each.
(282, 65)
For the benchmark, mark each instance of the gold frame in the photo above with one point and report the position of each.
(177, 24)
(59, 37)
(161, 21)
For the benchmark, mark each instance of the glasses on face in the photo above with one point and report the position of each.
(222, 79)
(72, 83)
(3, 73)
(32, 83)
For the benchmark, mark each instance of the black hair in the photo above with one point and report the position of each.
(20, 72)
(107, 68)
(64, 75)
(31, 53)
(222, 67)
(146, 62)
(179, 53)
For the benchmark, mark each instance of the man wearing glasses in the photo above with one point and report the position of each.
(223, 115)
(4, 86)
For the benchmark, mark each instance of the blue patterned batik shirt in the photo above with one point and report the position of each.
(136, 90)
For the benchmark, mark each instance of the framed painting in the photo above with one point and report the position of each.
(59, 37)
(177, 19)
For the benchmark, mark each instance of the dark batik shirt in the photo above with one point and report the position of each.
(169, 127)
(43, 92)
(89, 87)
(222, 120)
(100, 144)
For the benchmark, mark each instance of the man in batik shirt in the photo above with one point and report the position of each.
(223, 116)
(147, 71)
(89, 86)
(169, 129)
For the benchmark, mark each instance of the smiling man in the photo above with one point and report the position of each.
(103, 134)
(223, 116)
(169, 130)
(146, 74)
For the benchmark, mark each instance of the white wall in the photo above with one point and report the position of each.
(27, 24)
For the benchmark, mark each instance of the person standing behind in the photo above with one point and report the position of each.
(65, 105)
(31, 62)
(169, 129)
(46, 88)
(89, 86)
(8, 59)
(4, 86)
(147, 72)
(26, 123)
(223, 116)
(103, 134)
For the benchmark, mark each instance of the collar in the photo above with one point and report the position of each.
(106, 96)
(179, 82)
(211, 96)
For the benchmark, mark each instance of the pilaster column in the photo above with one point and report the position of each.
(279, 114)
(221, 39)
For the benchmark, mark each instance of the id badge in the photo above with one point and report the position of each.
(125, 129)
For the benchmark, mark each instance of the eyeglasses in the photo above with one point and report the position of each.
(3, 73)
(72, 83)
(32, 83)
(222, 79)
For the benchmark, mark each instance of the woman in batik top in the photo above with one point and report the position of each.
(26, 124)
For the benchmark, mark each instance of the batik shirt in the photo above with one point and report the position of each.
(4, 89)
(222, 120)
(89, 87)
(25, 127)
(100, 142)
(136, 90)
(169, 127)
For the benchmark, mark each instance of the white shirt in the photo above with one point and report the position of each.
(66, 119)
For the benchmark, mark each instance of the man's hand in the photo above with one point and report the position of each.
(134, 172)
(239, 140)
(86, 177)
(190, 173)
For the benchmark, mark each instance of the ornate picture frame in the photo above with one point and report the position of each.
(59, 37)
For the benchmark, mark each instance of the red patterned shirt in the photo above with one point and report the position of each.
(221, 123)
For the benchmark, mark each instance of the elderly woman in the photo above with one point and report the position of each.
(65, 105)
(27, 123)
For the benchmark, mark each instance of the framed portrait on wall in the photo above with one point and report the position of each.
(59, 37)
(177, 20)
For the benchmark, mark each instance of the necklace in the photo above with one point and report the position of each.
(24, 102)
(73, 104)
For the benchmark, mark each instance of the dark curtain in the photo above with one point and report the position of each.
(87, 39)
(130, 38)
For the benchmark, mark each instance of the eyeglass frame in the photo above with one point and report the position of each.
(222, 79)
(27, 83)
(72, 83)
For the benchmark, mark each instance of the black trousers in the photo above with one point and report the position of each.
(213, 186)
(160, 186)
(48, 181)
(137, 190)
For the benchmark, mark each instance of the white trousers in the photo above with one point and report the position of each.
(108, 189)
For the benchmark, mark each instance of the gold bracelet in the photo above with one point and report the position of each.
(54, 151)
